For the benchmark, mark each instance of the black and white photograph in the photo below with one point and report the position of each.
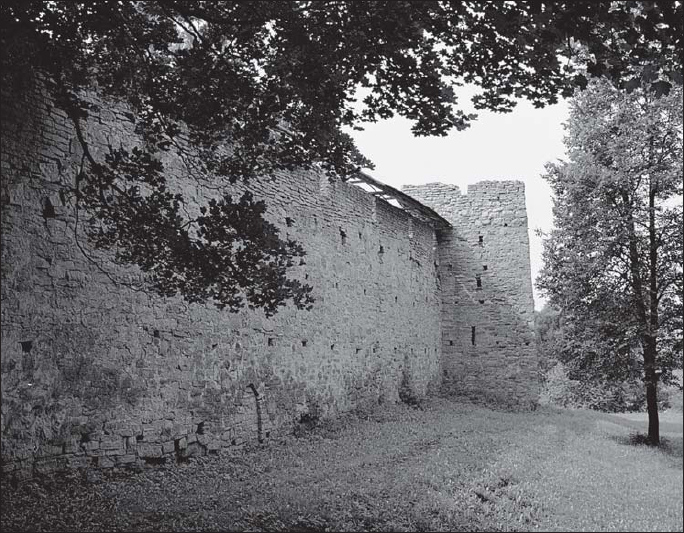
(341, 265)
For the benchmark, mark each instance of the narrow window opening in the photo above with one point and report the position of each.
(156, 334)
(484, 267)
(48, 209)
(271, 342)
(343, 234)
(381, 250)
(360, 235)
(451, 343)
(304, 342)
(396, 299)
(332, 346)
(478, 280)
(472, 335)
(480, 240)
(26, 346)
(289, 221)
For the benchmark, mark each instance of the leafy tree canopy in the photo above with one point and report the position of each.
(613, 263)
(269, 86)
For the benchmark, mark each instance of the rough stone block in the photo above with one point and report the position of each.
(79, 462)
(149, 450)
(91, 446)
(105, 462)
(112, 443)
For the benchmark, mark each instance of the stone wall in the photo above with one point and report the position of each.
(97, 373)
(486, 287)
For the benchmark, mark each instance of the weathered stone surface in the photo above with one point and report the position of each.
(149, 450)
(127, 374)
(486, 290)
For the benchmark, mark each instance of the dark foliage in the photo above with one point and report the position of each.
(262, 87)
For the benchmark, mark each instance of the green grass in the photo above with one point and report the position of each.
(448, 466)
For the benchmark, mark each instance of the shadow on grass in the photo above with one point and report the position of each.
(671, 446)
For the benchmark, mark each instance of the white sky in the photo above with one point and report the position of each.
(497, 146)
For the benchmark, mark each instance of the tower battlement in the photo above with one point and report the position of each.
(486, 289)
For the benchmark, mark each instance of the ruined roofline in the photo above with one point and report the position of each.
(409, 204)
(471, 188)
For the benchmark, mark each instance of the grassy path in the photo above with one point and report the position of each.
(451, 466)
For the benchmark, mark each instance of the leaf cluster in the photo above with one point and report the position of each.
(613, 262)
(246, 89)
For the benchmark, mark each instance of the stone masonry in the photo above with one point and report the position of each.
(96, 373)
(486, 290)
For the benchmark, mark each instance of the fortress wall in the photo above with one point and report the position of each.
(487, 336)
(95, 373)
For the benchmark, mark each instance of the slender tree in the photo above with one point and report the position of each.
(262, 87)
(613, 263)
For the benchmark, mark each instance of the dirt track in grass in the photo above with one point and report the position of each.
(448, 465)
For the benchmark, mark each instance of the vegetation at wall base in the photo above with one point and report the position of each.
(452, 466)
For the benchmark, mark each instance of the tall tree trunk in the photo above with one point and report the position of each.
(651, 342)
(651, 379)
(644, 316)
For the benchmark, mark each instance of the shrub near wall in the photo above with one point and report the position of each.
(562, 391)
